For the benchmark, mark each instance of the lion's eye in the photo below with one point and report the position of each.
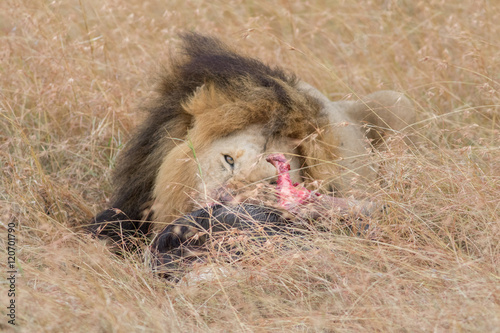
(229, 160)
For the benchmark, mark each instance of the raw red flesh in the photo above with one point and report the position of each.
(289, 194)
(292, 196)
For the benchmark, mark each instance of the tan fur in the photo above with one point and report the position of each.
(176, 194)
(335, 154)
(218, 114)
(339, 155)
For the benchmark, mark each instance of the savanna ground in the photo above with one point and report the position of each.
(72, 74)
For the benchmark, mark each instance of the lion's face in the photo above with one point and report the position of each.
(192, 172)
(240, 158)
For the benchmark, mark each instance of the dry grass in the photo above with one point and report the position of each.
(72, 73)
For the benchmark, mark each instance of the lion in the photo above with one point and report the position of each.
(216, 116)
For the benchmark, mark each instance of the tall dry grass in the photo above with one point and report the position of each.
(71, 76)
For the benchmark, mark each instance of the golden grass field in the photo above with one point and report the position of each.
(72, 75)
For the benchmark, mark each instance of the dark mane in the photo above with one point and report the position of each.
(207, 60)
(202, 61)
(208, 92)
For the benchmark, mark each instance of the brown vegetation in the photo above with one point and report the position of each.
(72, 74)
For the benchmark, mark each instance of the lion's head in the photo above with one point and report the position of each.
(216, 117)
(194, 170)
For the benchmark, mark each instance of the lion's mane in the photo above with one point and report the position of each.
(207, 92)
